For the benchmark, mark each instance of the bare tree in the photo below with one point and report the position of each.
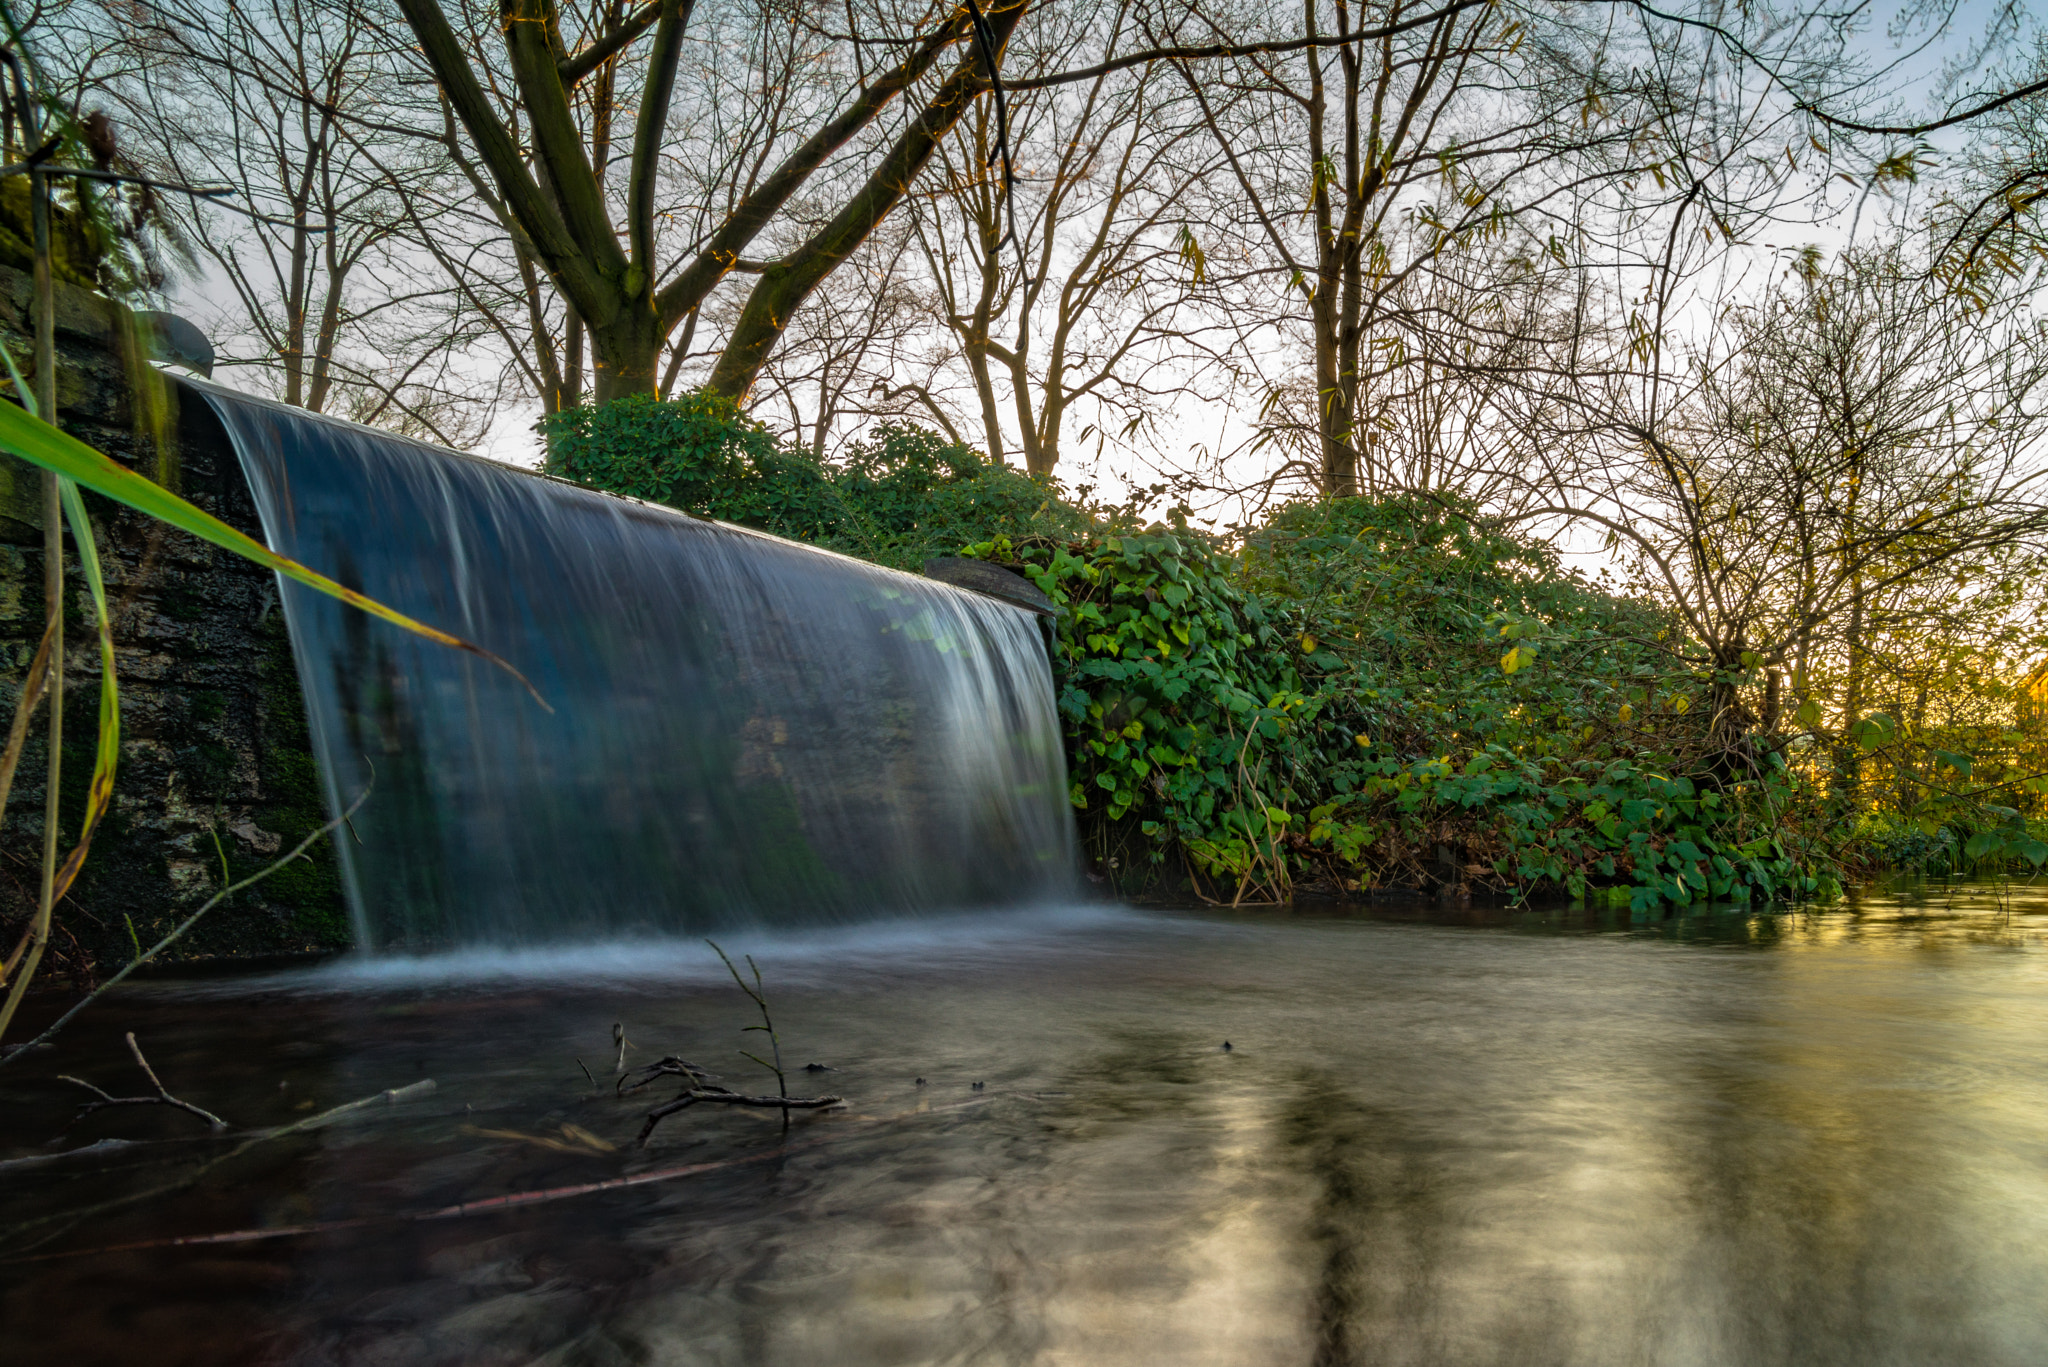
(603, 244)
(1079, 290)
(1569, 132)
(309, 284)
(855, 353)
(1855, 458)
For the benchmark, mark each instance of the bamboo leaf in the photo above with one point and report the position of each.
(39, 443)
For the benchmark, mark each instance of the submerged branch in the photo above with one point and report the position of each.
(162, 1097)
(391, 1095)
(701, 1088)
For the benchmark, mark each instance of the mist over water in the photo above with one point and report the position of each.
(745, 731)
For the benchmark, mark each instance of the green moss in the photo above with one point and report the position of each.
(206, 707)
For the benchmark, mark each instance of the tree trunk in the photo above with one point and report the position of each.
(626, 353)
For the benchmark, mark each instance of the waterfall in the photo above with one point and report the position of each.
(745, 730)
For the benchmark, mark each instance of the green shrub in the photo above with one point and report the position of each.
(1365, 692)
(698, 453)
(1388, 691)
(908, 495)
(900, 497)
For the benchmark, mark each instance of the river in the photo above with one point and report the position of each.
(1446, 1138)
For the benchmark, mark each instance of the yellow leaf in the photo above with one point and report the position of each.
(1681, 704)
(1627, 714)
(1308, 644)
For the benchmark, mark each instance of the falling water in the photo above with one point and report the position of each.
(744, 730)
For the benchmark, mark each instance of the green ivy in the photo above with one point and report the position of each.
(1363, 692)
(1372, 684)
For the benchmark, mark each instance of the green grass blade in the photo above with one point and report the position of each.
(37, 442)
(100, 795)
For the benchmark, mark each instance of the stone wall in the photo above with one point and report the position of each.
(216, 774)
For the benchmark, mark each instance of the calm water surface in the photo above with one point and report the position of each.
(1490, 1139)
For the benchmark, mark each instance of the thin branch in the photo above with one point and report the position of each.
(163, 1096)
(178, 932)
(1215, 50)
(609, 46)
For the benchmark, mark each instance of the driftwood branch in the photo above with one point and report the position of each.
(163, 1096)
(489, 1205)
(700, 1087)
(390, 1096)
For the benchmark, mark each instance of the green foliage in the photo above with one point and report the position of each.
(909, 495)
(1377, 691)
(1183, 708)
(1364, 692)
(698, 453)
(900, 497)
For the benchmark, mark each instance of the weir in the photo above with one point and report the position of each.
(745, 730)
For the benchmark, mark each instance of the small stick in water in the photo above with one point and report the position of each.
(699, 1087)
(162, 1097)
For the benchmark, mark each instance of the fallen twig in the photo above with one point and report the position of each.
(162, 1097)
(699, 1087)
(487, 1206)
(390, 1095)
(759, 996)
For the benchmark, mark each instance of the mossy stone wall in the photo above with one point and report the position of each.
(217, 775)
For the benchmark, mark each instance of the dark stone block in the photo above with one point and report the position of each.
(993, 580)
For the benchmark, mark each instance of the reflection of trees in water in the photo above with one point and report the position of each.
(1374, 1225)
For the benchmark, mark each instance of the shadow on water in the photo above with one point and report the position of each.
(1810, 1137)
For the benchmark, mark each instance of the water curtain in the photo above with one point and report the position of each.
(745, 730)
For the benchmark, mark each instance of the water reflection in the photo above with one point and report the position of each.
(1723, 1138)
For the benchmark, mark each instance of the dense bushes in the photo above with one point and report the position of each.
(1376, 692)
(898, 498)
(1362, 693)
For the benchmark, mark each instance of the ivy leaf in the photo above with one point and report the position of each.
(1873, 731)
